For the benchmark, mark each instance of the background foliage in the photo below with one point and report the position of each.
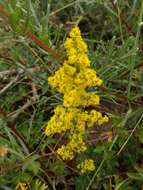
(114, 33)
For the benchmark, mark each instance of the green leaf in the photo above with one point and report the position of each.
(31, 165)
(58, 167)
(40, 186)
(34, 167)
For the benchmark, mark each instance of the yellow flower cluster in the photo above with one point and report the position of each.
(62, 120)
(21, 186)
(72, 80)
(96, 117)
(76, 75)
(75, 145)
(79, 97)
(73, 119)
(86, 165)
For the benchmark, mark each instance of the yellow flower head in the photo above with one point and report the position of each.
(86, 165)
(72, 80)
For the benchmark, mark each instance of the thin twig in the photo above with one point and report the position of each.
(3, 11)
(9, 84)
(6, 73)
(34, 91)
(53, 52)
(16, 113)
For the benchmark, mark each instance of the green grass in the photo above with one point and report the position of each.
(114, 33)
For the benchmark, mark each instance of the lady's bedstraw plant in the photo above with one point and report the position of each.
(72, 80)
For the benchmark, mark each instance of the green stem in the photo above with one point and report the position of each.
(133, 60)
(95, 174)
(120, 23)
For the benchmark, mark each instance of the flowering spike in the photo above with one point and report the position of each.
(72, 80)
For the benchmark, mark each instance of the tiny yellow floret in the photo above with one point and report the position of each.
(21, 186)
